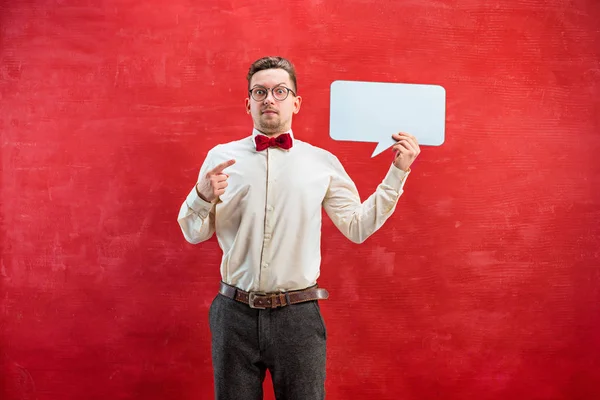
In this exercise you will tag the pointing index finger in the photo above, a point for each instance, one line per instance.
(219, 168)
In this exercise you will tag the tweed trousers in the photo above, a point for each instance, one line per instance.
(289, 341)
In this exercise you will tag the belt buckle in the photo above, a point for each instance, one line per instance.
(252, 297)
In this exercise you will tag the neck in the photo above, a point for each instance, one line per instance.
(272, 134)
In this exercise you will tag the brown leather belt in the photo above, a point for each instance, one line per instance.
(263, 300)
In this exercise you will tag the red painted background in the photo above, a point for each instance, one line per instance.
(485, 284)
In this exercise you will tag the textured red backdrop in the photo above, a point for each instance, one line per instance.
(485, 284)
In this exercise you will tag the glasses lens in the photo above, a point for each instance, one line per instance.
(280, 93)
(258, 94)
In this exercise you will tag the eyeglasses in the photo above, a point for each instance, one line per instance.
(280, 93)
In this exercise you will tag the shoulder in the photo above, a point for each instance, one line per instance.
(234, 148)
(239, 144)
(317, 153)
(310, 149)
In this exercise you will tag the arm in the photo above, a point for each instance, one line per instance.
(356, 220)
(196, 215)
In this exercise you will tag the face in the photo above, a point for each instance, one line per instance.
(272, 116)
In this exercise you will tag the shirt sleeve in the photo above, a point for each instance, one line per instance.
(356, 220)
(197, 216)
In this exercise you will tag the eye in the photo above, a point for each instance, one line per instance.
(280, 91)
(259, 92)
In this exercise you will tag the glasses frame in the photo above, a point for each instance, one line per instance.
(251, 92)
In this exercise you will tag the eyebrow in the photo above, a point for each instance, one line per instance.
(279, 84)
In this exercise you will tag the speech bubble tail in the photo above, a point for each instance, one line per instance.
(381, 147)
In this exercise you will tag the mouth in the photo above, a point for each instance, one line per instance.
(269, 111)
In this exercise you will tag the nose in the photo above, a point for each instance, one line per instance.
(269, 99)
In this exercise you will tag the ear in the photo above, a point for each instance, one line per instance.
(248, 105)
(297, 103)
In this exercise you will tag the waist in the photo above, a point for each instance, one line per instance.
(273, 274)
(262, 300)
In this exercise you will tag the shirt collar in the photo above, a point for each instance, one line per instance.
(256, 132)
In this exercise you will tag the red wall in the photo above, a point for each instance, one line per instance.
(485, 284)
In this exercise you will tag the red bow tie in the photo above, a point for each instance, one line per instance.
(283, 141)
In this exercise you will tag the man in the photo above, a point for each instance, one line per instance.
(262, 195)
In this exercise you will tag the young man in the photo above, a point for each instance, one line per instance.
(262, 195)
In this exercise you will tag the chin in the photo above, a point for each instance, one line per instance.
(271, 128)
(272, 124)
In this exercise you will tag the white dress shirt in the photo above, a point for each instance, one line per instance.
(268, 221)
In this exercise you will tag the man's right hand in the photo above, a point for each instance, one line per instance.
(213, 184)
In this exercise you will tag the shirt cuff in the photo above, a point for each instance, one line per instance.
(396, 178)
(197, 204)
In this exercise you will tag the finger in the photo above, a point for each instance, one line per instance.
(219, 168)
(413, 143)
(221, 185)
(402, 146)
(403, 135)
(411, 140)
(222, 177)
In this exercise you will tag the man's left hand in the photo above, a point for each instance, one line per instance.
(407, 149)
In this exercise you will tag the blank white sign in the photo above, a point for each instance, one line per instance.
(373, 111)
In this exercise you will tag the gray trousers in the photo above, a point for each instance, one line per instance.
(289, 341)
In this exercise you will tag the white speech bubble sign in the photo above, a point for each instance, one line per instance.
(373, 111)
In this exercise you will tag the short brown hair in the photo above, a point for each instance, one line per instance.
(273, 62)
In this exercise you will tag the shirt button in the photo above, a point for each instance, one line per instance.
(269, 208)
(265, 265)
